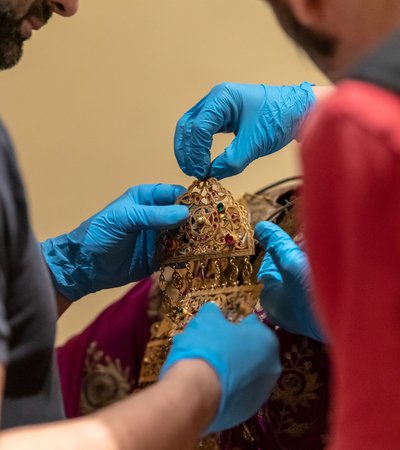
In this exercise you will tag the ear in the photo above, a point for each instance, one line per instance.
(308, 12)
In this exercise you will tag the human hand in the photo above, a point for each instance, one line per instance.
(263, 118)
(286, 296)
(244, 356)
(116, 246)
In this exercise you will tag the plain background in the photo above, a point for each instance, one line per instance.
(92, 106)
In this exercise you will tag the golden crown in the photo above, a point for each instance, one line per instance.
(206, 259)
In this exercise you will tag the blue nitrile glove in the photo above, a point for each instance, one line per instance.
(245, 357)
(284, 271)
(116, 245)
(263, 118)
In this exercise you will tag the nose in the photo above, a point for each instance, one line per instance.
(65, 8)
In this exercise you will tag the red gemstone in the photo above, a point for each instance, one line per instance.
(229, 239)
(170, 244)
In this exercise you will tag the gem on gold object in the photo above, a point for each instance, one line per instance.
(200, 220)
(220, 207)
(170, 244)
(229, 239)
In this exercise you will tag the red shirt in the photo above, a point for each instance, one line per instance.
(351, 212)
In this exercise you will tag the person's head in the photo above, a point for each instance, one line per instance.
(335, 33)
(19, 17)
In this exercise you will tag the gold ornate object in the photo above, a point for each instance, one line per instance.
(198, 265)
(276, 203)
(217, 226)
(206, 259)
(209, 253)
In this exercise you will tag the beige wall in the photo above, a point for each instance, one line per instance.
(93, 105)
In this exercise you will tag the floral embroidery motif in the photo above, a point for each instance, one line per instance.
(105, 381)
(298, 387)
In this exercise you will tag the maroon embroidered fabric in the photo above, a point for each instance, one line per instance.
(101, 365)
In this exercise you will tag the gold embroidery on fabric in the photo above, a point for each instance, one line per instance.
(105, 381)
(297, 387)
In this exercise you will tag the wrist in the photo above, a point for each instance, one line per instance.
(321, 92)
(198, 383)
(66, 269)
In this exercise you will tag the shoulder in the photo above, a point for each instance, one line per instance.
(8, 164)
(13, 207)
(358, 108)
(10, 179)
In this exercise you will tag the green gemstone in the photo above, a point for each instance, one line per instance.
(220, 207)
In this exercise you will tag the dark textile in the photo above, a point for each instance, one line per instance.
(27, 308)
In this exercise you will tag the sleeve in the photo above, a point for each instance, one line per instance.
(352, 222)
(4, 327)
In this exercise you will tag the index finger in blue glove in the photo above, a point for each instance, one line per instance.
(141, 217)
(268, 272)
(210, 120)
(231, 161)
(156, 194)
(182, 153)
(284, 252)
(208, 313)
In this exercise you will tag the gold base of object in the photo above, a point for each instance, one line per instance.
(235, 302)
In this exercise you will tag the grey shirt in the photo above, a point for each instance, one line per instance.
(27, 309)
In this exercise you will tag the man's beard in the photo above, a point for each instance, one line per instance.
(320, 46)
(11, 39)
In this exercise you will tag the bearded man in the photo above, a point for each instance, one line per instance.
(205, 382)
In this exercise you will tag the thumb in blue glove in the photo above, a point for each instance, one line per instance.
(116, 246)
(244, 356)
(284, 272)
(263, 118)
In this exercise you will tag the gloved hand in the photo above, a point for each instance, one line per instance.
(245, 357)
(284, 271)
(263, 118)
(116, 245)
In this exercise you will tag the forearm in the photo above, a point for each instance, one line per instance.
(62, 304)
(169, 415)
